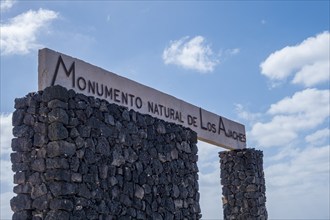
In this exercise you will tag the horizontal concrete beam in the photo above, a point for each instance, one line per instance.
(60, 69)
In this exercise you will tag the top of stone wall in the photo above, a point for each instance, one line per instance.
(58, 97)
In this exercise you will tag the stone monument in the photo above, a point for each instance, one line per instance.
(91, 144)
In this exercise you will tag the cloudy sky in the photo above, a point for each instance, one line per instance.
(264, 64)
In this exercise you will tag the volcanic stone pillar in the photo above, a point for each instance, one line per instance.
(243, 184)
(77, 157)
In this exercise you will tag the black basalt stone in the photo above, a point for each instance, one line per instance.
(176, 191)
(38, 165)
(58, 115)
(40, 139)
(61, 204)
(84, 131)
(130, 155)
(20, 202)
(83, 191)
(57, 214)
(24, 188)
(40, 203)
(103, 147)
(57, 174)
(56, 131)
(106, 131)
(29, 120)
(16, 167)
(102, 208)
(25, 214)
(18, 116)
(55, 92)
(125, 200)
(23, 131)
(139, 192)
(16, 157)
(57, 104)
(38, 191)
(40, 127)
(19, 178)
(57, 163)
(160, 128)
(126, 115)
(62, 188)
(58, 148)
(21, 103)
(157, 216)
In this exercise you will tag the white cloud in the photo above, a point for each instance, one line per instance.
(209, 181)
(301, 183)
(6, 179)
(210, 199)
(192, 54)
(233, 51)
(5, 210)
(6, 5)
(286, 152)
(308, 61)
(308, 101)
(5, 133)
(6, 174)
(108, 18)
(245, 114)
(19, 35)
(5, 150)
(297, 178)
(306, 109)
(312, 161)
(310, 75)
(318, 137)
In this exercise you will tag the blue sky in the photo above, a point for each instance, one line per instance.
(262, 63)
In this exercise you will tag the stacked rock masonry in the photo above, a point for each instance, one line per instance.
(243, 182)
(78, 157)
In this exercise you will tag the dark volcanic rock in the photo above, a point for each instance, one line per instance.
(58, 148)
(23, 131)
(58, 115)
(243, 183)
(57, 131)
(20, 202)
(18, 117)
(25, 214)
(77, 157)
(55, 92)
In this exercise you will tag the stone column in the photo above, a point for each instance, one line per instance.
(77, 157)
(243, 184)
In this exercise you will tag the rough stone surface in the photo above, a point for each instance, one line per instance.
(243, 184)
(57, 131)
(77, 157)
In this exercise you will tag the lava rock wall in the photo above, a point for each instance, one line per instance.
(78, 157)
(244, 191)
